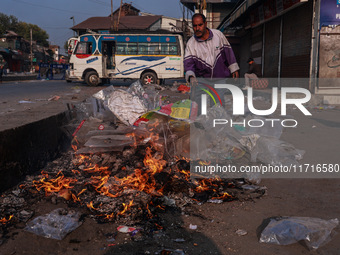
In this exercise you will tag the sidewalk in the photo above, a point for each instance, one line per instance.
(19, 77)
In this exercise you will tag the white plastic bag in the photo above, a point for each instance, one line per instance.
(287, 230)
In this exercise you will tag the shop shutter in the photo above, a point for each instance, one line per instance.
(271, 48)
(256, 44)
(296, 42)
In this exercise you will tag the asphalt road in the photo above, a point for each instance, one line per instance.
(28, 101)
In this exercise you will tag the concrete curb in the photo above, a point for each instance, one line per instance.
(25, 149)
(19, 77)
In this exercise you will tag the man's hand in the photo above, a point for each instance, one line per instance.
(193, 81)
(235, 75)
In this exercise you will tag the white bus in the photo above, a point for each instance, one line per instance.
(96, 58)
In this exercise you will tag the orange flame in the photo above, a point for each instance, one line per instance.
(54, 185)
(5, 221)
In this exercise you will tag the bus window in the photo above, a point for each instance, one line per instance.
(126, 48)
(165, 49)
(84, 48)
(132, 49)
(143, 48)
(173, 49)
(121, 48)
(153, 49)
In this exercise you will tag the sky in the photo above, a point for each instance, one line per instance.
(54, 15)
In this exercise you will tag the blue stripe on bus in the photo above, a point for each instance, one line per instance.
(139, 69)
(127, 38)
(145, 38)
(130, 69)
(166, 39)
(143, 58)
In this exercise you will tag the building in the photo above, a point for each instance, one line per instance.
(126, 10)
(288, 39)
(126, 23)
(126, 18)
(15, 52)
(214, 10)
(167, 23)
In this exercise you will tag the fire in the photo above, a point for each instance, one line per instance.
(126, 208)
(223, 197)
(5, 221)
(60, 183)
(142, 180)
(90, 206)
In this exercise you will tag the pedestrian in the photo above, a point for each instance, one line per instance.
(208, 53)
(1, 72)
(254, 72)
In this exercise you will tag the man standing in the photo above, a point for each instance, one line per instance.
(208, 53)
(254, 72)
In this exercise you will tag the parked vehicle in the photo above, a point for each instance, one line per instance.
(149, 57)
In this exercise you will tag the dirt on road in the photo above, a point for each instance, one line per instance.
(217, 224)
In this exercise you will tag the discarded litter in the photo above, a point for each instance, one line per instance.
(126, 107)
(26, 102)
(241, 232)
(270, 150)
(193, 227)
(54, 98)
(126, 229)
(170, 252)
(179, 240)
(215, 201)
(314, 232)
(183, 88)
(55, 225)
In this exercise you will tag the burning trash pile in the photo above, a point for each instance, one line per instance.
(131, 161)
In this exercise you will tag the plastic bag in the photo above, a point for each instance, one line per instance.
(126, 106)
(55, 225)
(287, 230)
(272, 151)
(149, 96)
(214, 143)
(269, 128)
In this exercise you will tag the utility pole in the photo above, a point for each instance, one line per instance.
(74, 32)
(31, 33)
(120, 10)
(111, 27)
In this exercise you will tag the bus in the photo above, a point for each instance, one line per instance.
(98, 58)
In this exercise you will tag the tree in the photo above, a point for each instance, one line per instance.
(23, 29)
(7, 23)
(38, 34)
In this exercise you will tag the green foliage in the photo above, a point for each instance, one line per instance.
(38, 34)
(23, 29)
(7, 23)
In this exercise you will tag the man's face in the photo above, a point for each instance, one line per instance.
(200, 27)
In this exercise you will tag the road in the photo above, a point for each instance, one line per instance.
(317, 135)
(27, 101)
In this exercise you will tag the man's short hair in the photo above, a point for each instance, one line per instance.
(198, 15)
(249, 60)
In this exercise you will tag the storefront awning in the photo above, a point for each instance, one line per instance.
(265, 11)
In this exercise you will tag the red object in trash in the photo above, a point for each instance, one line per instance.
(183, 88)
(79, 127)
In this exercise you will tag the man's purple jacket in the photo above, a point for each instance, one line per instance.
(212, 58)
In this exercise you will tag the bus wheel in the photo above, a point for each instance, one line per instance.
(92, 79)
(149, 78)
